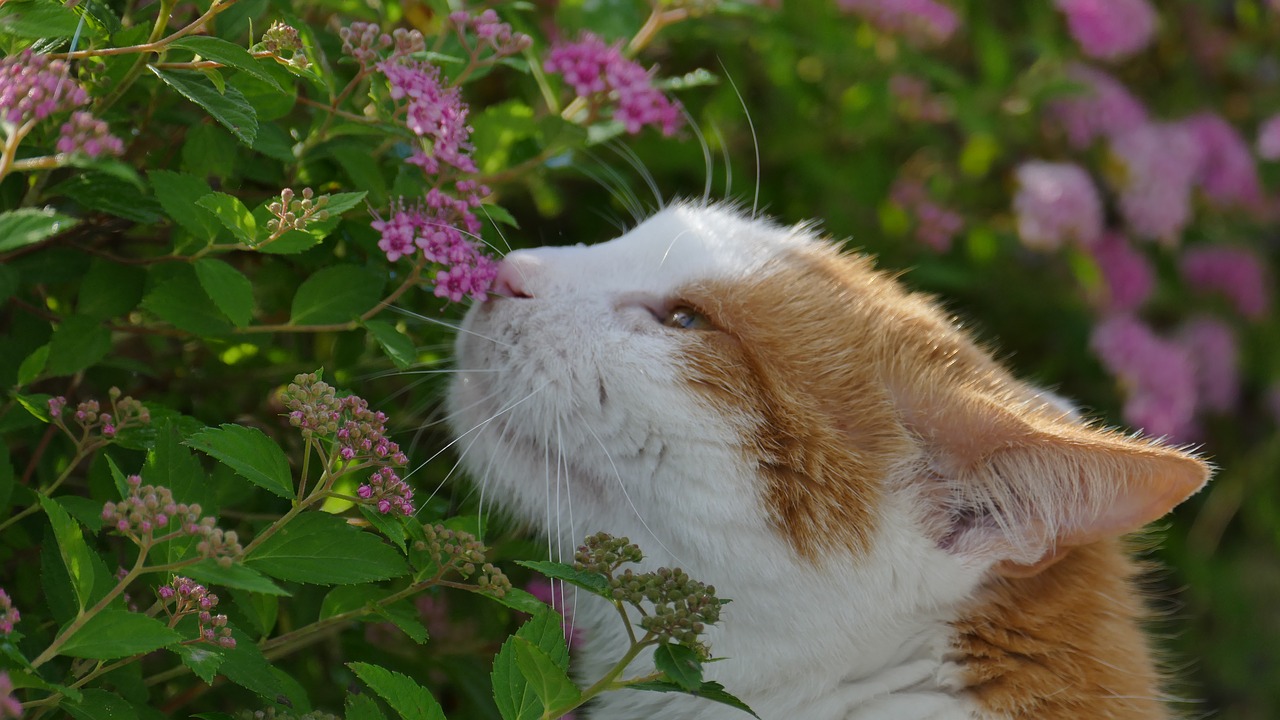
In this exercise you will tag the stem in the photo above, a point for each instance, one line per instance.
(11, 143)
(334, 111)
(81, 453)
(153, 44)
(343, 327)
(606, 682)
(657, 20)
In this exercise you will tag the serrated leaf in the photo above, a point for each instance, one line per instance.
(405, 618)
(406, 697)
(33, 365)
(37, 405)
(35, 19)
(321, 549)
(334, 295)
(180, 301)
(76, 556)
(235, 576)
(546, 678)
(347, 598)
(591, 582)
(115, 634)
(362, 707)
(99, 705)
(394, 343)
(515, 698)
(249, 452)
(229, 289)
(117, 476)
(680, 664)
(290, 242)
(390, 525)
(227, 53)
(101, 191)
(713, 691)
(339, 203)
(202, 660)
(27, 226)
(229, 108)
(499, 214)
(172, 465)
(177, 194)
(78, 343)
(246, 666)
(233, 215)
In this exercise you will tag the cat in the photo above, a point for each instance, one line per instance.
(905, 529)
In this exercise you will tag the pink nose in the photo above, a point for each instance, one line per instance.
(515, 273)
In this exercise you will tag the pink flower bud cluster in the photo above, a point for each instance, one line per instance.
(150, 509)
(183, 596)
(1101, 108)
(1158, 375)
(367, 44)
(1128, 277)
(600, 73)
(916, 102)
(1056, 203)
(9, 615)
(125, 412)
(1156, 166)
(1226, 173)
(284, 42)
(490, 32)
(935, 224)
(1109, 29)
(10, 707)
(443, 228)
(387, 492)
(86, 135)
(33, 87)
(1234, 272)
(1269, 138)
(436, 114)
(313, 406)
(920, 20)
(1211, 345)
(360, 433)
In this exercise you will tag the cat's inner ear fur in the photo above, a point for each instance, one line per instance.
(1018, 483)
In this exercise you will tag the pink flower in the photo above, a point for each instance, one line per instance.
(1269, 138)
(1103, 108)
(1157, 164)
(1127, 275)
(10, 707)
(33, 87)
(9, 615)
(922, 20)
(88, 135)
(1109, 29)
(436, 114)
(936, 225)
(1211, 345)
(1158, 376)
(388, 492)
(1234, 272)
(1056, 202)
(1226, 173)
(597, 70)
(446, 230)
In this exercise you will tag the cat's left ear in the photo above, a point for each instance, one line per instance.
(1020, 487)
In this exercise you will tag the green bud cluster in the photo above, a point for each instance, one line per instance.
(313, 405)
(294, 214)
(603, 553)
(461, 552)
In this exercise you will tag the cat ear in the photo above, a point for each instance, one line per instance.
(1020, 485)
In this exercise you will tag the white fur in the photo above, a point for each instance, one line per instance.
(844, 638)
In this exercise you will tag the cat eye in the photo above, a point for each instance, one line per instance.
(683, 317)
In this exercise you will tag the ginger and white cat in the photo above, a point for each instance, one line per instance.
(905, 529)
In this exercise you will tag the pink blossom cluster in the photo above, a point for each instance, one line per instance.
(446, 231)
(360, 433)
(87, 135)
(387, 491)
(1128, 277)
(33, 87)
(1234, 272)
(10, 707)
(148, 509)
(184, 596)
(1269, 138)
(1056, 203)
(1109, 29)
(1157, 166)
(1103, 108)
(1158, 375)
(935, 224)
(1226, 173)
(125, 412)
(921, 20)
(600, 73)
(436, 114)
(1211, 345)
(367, 43)
(490, 32)
(9, 615)
(915, 101)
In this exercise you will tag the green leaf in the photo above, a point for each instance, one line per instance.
(34, 19)
(177, 194)
(230, 290)
(334, 295)
(110, 289)
(78, 343)
(99, 705)
(232, 214)
(394, 343)
(362, 707)
(24, 679)
(591, 582)
(229, 108)
(680, 664)
(406, 619)
(391, 525)
(75, 552)
(117, 476)
(498, 214)
(339, 203)
(250, 453)
(246, 666)
(37, 405)
(229, 54)
(235, 576)
(173, 466)
(115, 634)
(290, 242)
(104, 192)
(406, 697)
(713, 691)
(515, 697)
(203, 660)
(353, 155)
(27, 226)
(548, 680)
(347, 598)
(33, 365)
(321, 549)
(178, 299)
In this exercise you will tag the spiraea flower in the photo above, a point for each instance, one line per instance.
(184, 596)
(489, 32)
(1127, 275)
(1102, 107)
(1109, 29)
(33, 87)
(1269, 138)
(9, 615)
(10, 707)
(600, 73)
(360, 434)
(86, 135)
(1157, 375)
(1154, 168)
(291, 212)
(387, 492)
(915, 101)
(150, 511)
(366, 43)
(459, 551)
(1056, 203)
(935, 224)
(125, 412)
(1226, 174)
(436, 114)
(920, 20)
(1211, 344)
(1233, 272)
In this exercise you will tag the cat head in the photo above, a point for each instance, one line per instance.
(713, 384)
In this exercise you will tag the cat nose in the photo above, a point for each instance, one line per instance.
(515, 273)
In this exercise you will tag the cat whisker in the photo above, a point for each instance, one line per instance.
(670, 245)
(626, 153)
(619, 188)
(458, 328)
(755, 143)
(471, 235)
(706, 152)
(724, 153)
(497, 228)
(478, 426)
